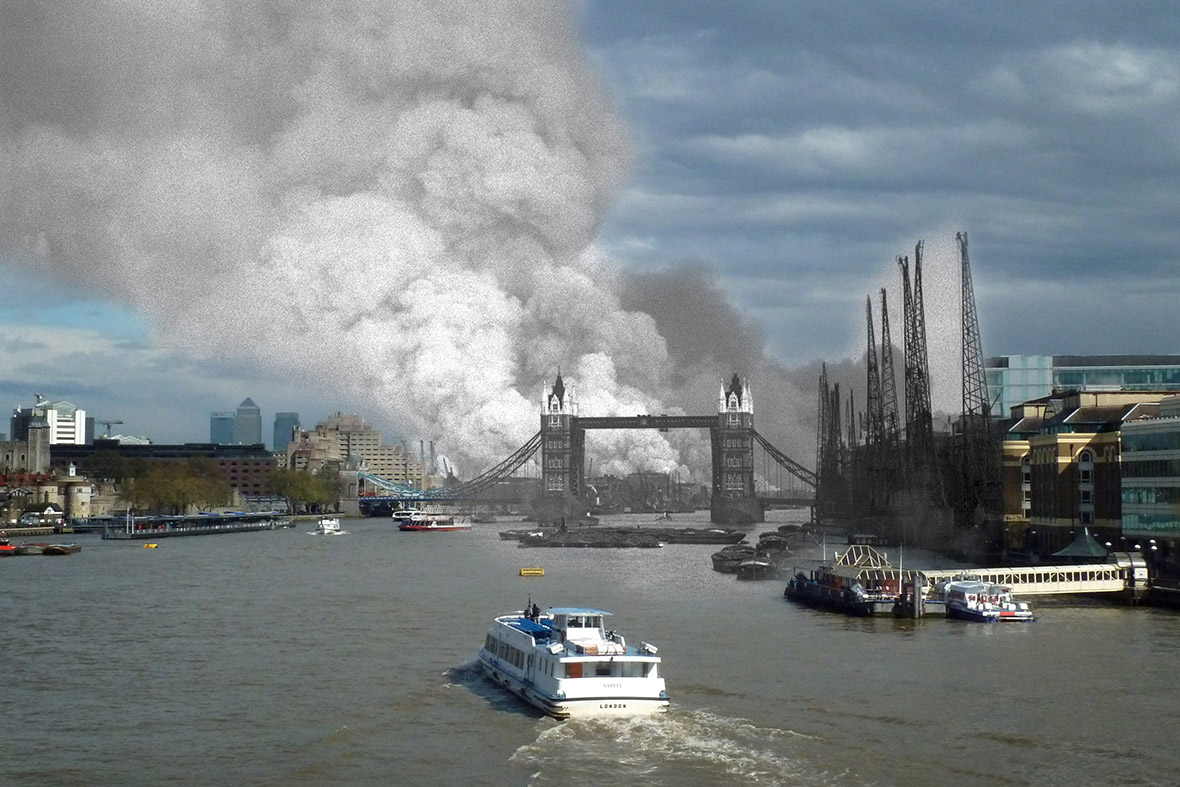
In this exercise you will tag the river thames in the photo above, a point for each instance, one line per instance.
(279, 658)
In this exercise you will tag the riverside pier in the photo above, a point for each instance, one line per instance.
(152, 527)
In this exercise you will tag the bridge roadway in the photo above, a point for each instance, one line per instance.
(645, 422)
(1128, 572)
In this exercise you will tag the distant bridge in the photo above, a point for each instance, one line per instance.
(393, 493)
(564, 485)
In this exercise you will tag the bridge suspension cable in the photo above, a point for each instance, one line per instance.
(501, 471)
(467, 489)
(791, 466)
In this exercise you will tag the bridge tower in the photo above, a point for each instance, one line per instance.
(562, 455)
(734, 500)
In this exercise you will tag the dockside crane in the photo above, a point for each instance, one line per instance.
(108, 424)
(980, 495)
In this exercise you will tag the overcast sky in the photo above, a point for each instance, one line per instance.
(794, 149)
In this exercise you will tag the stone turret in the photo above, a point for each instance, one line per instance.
(734, 499)
(38, 445)
(561, 455)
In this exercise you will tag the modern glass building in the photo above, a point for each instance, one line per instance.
(284, 430)
(1015, 379)
(1151, 477)
(248, 423)
(221, 428)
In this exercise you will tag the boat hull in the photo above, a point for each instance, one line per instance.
(417, 528)
(61, 549)
(957, 612)
(621, 706)
(815, 594)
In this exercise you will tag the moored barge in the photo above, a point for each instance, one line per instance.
(859, 581)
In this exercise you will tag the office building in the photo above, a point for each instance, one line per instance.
(1151, 482)
(244, 467)
(284, 430)
(248, 424)
(65, 421)
(348, 441)
(1061, 465)
(221, 428)
(1015, 379)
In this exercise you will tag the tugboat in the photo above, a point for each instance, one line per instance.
(565, 663)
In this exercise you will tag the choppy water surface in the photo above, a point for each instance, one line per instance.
(283, 658)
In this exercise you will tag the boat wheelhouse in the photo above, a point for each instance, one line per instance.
(567, 664)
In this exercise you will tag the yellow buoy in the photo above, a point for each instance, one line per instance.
(150, 546)
(535, 571)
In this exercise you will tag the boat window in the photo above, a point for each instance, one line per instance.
(603, 669)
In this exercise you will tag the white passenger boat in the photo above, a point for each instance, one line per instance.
(565, 663)
(405, 514)
(435, 522)
(983, 602)
(328, 526)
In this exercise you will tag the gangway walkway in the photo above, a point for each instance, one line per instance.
(1128, 572)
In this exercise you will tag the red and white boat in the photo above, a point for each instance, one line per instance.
(432, 522)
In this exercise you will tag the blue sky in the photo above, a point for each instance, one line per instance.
(792, 150)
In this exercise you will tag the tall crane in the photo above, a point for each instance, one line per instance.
(108, 424)
(980, 468)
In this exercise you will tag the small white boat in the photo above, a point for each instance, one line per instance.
(983, 602)
(328, 526)
(565, 663)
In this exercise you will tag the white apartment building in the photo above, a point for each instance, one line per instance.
(66, 422)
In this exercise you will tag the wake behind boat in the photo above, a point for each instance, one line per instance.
(565, 663)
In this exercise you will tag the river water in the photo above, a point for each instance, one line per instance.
(279, 658)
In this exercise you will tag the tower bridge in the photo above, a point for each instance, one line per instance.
(562, 445)
(732, 438)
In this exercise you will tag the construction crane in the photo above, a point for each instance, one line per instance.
(108, 425)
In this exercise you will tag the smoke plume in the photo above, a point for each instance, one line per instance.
(394, 201)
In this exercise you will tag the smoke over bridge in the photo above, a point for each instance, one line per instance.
(394, 201)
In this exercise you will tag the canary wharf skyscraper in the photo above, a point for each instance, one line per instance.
(248, 424)
(221, 428)
(285, 425)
